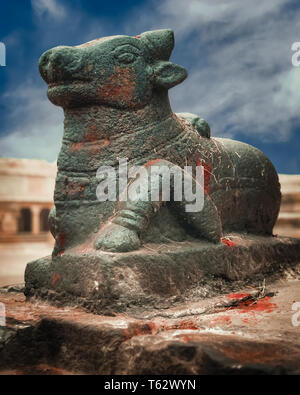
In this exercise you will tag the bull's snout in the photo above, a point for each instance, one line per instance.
(60, 64)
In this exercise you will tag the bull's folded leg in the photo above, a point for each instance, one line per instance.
(205, 223)
(122, 232)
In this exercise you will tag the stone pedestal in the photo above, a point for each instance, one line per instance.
(157, 276)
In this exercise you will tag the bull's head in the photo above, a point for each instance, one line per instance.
(118, 71)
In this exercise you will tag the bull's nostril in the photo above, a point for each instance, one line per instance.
(44, 63)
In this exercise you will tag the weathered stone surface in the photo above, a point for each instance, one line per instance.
(157, 275)
(246, 332)
(114, 92)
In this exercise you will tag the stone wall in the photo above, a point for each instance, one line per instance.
(26, 196)
(288, 223)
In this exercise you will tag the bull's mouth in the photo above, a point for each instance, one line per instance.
(68, 93)
(67, 83)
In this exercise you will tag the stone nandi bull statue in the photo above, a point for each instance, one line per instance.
(114, 92)
(117, 255)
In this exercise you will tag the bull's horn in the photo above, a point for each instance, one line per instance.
(159, 42)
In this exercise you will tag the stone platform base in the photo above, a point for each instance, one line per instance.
(158, 276)
(254, 331)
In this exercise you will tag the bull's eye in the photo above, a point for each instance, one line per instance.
(126, 58)
(126, 53)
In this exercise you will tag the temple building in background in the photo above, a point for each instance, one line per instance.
(26, 197)
(288, 223)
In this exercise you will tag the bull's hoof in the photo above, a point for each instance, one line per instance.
(117, 238)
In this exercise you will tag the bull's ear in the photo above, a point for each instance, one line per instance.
(167, 74)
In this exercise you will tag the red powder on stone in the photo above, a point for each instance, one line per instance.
(237, 296)
(261, 306)
(183, 325)
(56, 277)
(139, 329)
(223, 319)
(61, 240)
(152, 162)
(227, 242)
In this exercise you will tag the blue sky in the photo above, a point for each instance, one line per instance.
(238, 55)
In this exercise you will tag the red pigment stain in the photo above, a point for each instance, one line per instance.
(207, 174)
(75, 147)
(261, 306)
(227, 242)
(152, 162)
(75, 188)
(183, 325)
(137, 329)
(223, 319)
(251, 308)
(237, 296)
(61, 240)
(56, 277)
(247, 320)
(191, 337)
(91, 134)
(120, 85)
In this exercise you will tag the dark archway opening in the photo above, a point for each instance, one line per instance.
(44, 214)
(25, 220)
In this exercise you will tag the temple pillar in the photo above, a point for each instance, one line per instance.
(35, 220)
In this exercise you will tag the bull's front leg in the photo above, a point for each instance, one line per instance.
(122, 232)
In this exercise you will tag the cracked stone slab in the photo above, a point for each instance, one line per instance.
(246, 332)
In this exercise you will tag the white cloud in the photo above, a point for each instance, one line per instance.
(192, 14)
(37, 125)
(50, 7)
